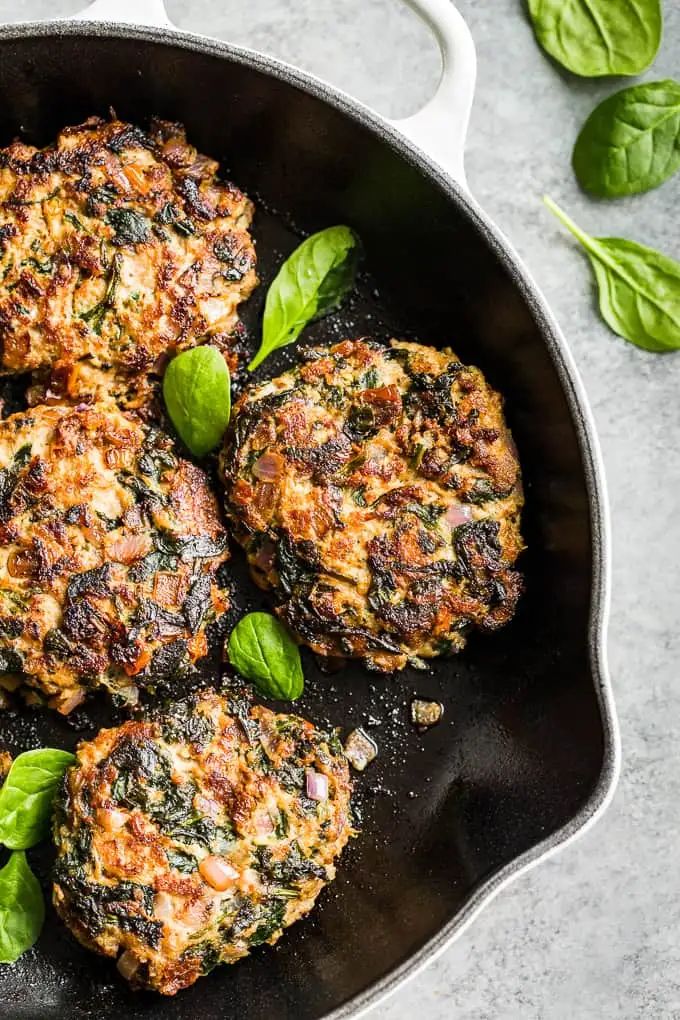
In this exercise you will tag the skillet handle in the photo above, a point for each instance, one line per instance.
(150, 13)
(439, 129)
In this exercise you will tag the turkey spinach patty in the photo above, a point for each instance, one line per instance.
(186, 841)
(109, 546)
(377, 493)
(117, 247)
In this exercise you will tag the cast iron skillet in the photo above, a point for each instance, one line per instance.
(527, 755)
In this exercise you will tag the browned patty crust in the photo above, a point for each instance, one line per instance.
(184, 842)
(109, 545)
(377, 493)
(117, 247)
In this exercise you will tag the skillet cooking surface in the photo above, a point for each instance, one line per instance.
(521, 746)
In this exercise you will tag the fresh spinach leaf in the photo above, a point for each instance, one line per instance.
(27, 795)
(197, 393)
(261, 649)
(311, 283)
(639, 287)
(593, 38)
(22, 908)
(631, 141)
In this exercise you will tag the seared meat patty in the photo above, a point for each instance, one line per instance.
(109, 546)
(184, 842)
(116, 247)
(376, 491)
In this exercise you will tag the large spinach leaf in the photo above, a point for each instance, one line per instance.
(261, 649)
(311, 283)
(22, 908)
(197, 393)
(639, 287)
(599, 37)
(631, 141)
(27, 795)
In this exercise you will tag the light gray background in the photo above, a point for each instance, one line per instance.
(594, 933)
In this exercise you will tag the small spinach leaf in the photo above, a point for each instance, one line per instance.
(197, 393)
(639, 287)
(261, 649)
(130, 226)
(311, 283)
(22, 908)
(599, 37)
(631, 141)
(94, 316)
(181, 861)
(27, 795)
(171, 216)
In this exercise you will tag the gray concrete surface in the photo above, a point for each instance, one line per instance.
(594, 933)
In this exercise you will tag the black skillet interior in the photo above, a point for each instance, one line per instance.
(521, 745)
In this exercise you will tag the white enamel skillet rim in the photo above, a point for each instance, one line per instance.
(435, 138)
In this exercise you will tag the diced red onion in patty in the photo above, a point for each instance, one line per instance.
(163, 906)
(128, 964)
(264, 826)
(268, 467)
(217, 872)
(67, 704)
(316, 785)
(457, 514)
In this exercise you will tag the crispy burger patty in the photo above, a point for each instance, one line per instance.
(184, 842)
(116, 246)
(376, 491)
(109, 546)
